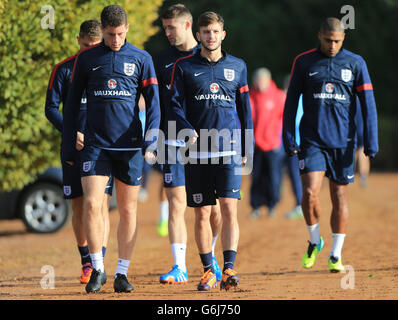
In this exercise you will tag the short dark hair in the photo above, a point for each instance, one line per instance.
(331, 24)
(113, 16)
(176, 11)
(208, 18)
(91, 29)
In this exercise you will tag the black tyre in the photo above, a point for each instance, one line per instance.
(43, 209)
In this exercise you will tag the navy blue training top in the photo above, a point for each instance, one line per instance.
(114, 81)
(57, 91)
(330, 87)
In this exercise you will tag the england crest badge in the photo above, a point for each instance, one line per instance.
(86, 166)
(346, 74)
(129, 68)
(67, 190)
(197, 198)
(229, 74)
(168, 177)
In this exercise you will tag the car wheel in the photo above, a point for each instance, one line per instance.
(43, 208)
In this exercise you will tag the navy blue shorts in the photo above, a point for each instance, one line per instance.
(173, 175)
(338, 164)
(72, 181)
(125, 166)
(173, 170)
(205, 183)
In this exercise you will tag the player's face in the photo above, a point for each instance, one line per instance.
(85, 42)
(114, 37)
(175, 30)
(331, 42)
(211, 36)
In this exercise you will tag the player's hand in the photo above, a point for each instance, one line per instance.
(150, 157)
(79, 141)
(193, 139)
(69, 162)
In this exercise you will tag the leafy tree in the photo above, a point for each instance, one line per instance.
(29, 49)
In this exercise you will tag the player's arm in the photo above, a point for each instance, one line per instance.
(54, 97)
(290, 109)
(177, 105)
(161, 83)
(150, 92)
(72, 108)
(244, 111)
(364, 89)
(81, 123)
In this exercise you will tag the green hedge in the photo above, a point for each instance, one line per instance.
(28, 52)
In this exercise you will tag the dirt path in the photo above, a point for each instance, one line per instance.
(268, 261)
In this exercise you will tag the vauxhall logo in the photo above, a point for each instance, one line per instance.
(112, 84)
(214, 88)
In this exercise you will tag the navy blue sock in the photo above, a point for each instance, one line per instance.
(207, 261)
(103, 251)
(84, 254)
(229, 259)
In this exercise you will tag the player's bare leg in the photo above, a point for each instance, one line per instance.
(363, 163)
(105, 216)
(339, 216)
(230, 226)
(216, 223)
(77, 221)
(177, 205)
(127, 197)
(93, 190)
(81, 240)
(338, 223)
(162, 227)
(229, 241)
(203, 237)
(177, 236)
(216, 219)
(312, 183)
(203, 232)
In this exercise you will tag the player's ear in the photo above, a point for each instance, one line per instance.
(127, 27)
(198, 36)
(187, 24)
(224, 34)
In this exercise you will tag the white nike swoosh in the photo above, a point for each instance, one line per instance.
(350, 177)
(139, 178)
(96, 68)
(312, 73)
(235, 190)
(198, 74)
(168, 65)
